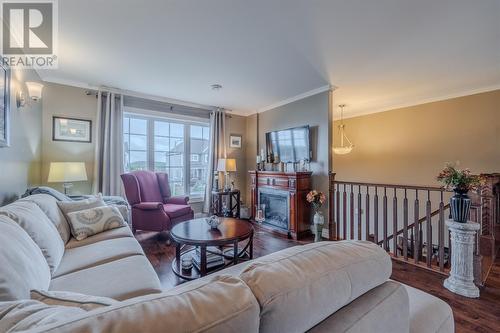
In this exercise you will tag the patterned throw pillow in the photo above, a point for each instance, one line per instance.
(92, 221)
(67, 298)
(74, 206)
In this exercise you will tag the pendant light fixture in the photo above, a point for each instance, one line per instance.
(343, 149)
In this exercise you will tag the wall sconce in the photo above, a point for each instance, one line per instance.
(34, 93)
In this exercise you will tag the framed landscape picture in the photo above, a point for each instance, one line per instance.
(4, 106)
(235, 141)
(71, 129)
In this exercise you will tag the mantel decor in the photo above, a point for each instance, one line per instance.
(460, 182)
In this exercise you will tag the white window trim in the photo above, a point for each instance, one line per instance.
(151, 116)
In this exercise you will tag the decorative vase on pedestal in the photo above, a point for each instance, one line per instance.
(460, 206)
(319, 222)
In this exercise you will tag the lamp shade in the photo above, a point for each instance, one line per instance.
(62, 172)
(226, 165)
(34, 90)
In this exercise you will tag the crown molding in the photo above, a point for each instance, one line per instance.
(295, 98)
(433, 99)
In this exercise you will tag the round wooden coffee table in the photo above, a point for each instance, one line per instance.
(193, 234)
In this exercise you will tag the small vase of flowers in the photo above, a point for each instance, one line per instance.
(460, 182)
(317, 199)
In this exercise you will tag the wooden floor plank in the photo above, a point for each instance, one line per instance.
(471, 315)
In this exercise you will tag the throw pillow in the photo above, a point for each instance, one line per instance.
(92, 221)
(22, 264)
(38, 226)
(74, 206)
(67, 298)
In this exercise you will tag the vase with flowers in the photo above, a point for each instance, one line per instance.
(460, 181)
(317, 199)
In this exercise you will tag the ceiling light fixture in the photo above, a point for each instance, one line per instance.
(216, 86)
(343, 149)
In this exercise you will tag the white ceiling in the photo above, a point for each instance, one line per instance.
(379, 54)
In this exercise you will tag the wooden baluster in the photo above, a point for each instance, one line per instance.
(375, 214)
(405, 227)
(384, 220)
(351, 213)
(395, 224)
(367, 213)
(344, 213)
(359, 212)
(337, 193)
(429, 229)
(441, 234)
(416, 245)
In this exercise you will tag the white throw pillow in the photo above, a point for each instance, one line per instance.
(68, 298)
(74, 206)
(22, 264)
(92, 221)
(38, 226)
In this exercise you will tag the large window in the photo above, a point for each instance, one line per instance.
(179, 148)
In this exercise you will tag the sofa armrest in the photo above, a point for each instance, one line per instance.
(180, 200)
(149, 206)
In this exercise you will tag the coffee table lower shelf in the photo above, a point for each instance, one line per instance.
(194, 273)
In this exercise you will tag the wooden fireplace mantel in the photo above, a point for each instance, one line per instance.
(297, 184)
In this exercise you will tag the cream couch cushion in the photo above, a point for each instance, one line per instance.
(299, 287)
(428, 313)
(119, 279)
(222, 304)
(110, 234)
(381, 310)
(74, 206)
(38, 226)
(95, 254)
(23, 315)
(66, 298)
(22, 264)
(48, 204)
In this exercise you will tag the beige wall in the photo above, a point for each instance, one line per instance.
(411, 145)
(71, 102)
(20, 162)
(312, 111)
(237, 125)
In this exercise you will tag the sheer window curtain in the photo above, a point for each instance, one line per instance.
(217, 149)
(108, 162)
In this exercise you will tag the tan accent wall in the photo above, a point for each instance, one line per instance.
(237, 125)
(410, 145)
(71, 102)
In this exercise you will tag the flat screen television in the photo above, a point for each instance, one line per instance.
(291, 145)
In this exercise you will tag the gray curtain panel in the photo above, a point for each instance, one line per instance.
(108, 165)
(217, 149)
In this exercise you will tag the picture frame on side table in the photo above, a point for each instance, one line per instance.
(71, 129)
(235, 141)
(4, 106)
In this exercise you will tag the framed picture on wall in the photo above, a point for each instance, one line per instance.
(71, 129)
(4, 106)
(235, 141)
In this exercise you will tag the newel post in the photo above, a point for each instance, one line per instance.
(332, 227)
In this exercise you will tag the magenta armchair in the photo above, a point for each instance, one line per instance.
(153, 207)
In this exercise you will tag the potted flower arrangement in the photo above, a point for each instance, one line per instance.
(317, 199)
(460, 182)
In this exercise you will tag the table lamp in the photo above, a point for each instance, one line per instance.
(66, 173)
(226, 165)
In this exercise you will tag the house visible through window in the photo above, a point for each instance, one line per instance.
(179, 148)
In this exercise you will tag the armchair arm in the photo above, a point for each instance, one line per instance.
(149, 206)
(180, 200)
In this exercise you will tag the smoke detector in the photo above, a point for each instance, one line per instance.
(216, 86)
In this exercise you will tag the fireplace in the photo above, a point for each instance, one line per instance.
(276, 208)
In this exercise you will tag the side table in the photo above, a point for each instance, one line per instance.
(461, 279)
(218, 198)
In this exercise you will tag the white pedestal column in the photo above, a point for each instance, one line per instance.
(461, 279)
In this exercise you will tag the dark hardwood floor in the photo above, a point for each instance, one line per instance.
(471, 315)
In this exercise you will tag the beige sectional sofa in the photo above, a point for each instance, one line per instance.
(320, 287)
